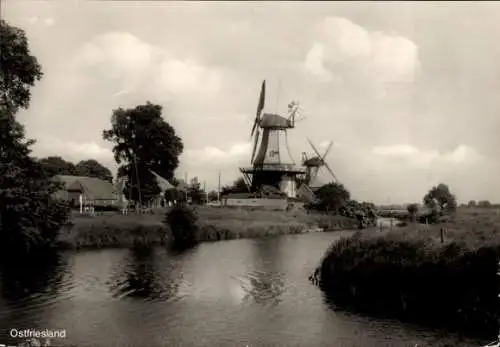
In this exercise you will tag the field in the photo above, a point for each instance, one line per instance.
(413, 273)
(215, 223)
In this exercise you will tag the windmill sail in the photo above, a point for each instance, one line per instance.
(256, 141)
(260, 106)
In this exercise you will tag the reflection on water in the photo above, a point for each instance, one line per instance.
(30, 291)
(230, 293)
(146, 276)
(265, 283)
(22, 281)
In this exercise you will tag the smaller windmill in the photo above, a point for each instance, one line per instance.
(314, 164)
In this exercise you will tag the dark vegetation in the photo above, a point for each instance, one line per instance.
(55, 165)
(29, 216)
(143, 142)
(335, 199)
(441, 274)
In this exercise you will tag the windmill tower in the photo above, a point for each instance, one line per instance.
(314, 164)
(273, 168)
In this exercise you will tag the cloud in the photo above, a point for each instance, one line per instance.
(133, 62)
(462, 154)
(49, 145)
(186, 76)
(214, 155)
(48, 22)
(342, 44)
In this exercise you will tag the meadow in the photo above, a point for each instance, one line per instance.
(442, 274)
(214, 223)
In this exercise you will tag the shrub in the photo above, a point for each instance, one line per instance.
(181, 221)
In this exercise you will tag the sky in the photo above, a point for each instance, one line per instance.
(408, 92)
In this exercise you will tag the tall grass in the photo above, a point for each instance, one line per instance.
(213, 224)
(409, 273)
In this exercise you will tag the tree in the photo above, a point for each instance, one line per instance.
(195, 192)
(332, 196)
(55, 165)
(238, 186)
(19, 69)
(440, 199)
(92, 168)
(29, 217)
(484, 204)
(413, 210)
(143, 141)
(472, 204)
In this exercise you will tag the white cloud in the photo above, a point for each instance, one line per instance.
(463, 155)
(49, 145)
(233, 154)
(32, 19)
(49, 21)
(118, 53)
(125, 57)
(314, 63)
(381, 57)
(188, 76)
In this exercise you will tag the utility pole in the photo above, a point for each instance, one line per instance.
(205, 191)
(218, 190)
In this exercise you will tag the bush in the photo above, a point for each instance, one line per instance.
(181, 221)
(417, 279)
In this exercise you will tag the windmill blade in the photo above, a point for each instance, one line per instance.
(327, 150)
(314, 148)
(260, 106)
(256, 141)
(331, 172)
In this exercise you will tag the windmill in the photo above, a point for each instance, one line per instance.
(314, 164)
(273, 168)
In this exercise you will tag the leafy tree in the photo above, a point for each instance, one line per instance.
(484, 204)
(143, 141)
(332, 197)
(195, 192)
(238, 186)
(92, 168)
(472, 203)
(19, 69)
(55, 165)
(440, 199)
(412, 210)
(29, 217)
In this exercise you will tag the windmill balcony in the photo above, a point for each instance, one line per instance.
(274, 167)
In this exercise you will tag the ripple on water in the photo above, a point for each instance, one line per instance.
(221, 294)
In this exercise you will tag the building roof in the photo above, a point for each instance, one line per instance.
(92, 187)
(163, 183)
(270, 120)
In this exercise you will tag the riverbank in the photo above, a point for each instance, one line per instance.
(413, 273)
(214, 223)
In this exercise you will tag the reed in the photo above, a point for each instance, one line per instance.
(214, 224)
(413, 273)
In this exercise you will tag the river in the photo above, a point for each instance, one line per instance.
(230, 293)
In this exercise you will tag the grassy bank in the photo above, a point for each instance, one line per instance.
(116, 230)
(410, 273)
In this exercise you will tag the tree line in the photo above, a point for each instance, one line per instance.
(30, 216)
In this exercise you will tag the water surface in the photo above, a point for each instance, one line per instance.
(230, 293)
